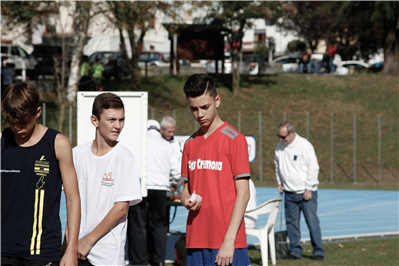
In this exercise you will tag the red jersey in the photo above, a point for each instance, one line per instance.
(211, 167)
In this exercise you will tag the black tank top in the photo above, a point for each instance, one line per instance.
(30, 199)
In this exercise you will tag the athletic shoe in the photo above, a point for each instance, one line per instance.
(292, 257)
(318, 257)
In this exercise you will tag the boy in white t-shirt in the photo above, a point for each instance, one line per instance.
(108, 184)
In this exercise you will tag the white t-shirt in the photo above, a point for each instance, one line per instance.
(104, 180)
(250, 219)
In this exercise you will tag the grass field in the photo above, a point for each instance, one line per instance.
(366, 95)
(360, 252)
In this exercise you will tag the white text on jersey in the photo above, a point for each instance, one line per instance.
(205, 164)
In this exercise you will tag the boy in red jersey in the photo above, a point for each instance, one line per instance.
(215, 165)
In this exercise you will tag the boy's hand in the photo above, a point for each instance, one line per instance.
(84, 247)
(191, 206)
(69, 258)
(226, 253)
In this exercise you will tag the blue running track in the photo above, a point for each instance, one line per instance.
(341, 212)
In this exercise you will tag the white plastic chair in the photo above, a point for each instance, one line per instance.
(266, 234)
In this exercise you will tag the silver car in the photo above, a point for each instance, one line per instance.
(20, 60)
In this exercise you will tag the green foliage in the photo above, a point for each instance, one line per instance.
(261, 49)
(238, 16)
(21, 11)
(296, 46)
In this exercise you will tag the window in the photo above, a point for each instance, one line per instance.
(4, 50)
(14, 50)
(22, 52)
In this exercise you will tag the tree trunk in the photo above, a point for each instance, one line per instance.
(134, 68)
(61, 117)
(134, 61)
(74, 76)
(391, 51)
(236, 77)
(62, 104)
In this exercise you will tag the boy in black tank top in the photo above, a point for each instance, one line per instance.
(35, 162)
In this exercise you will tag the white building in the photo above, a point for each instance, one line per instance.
(105, 37)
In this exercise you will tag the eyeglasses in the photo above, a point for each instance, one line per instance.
(283, 137)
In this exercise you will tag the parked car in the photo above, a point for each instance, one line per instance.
(290, 63)
(45, 54)
(152, 58)
(257, 64)
(19, 59)
(376, 67)
(351, 67)
(113, 62)
(211, 66)
(245, 67)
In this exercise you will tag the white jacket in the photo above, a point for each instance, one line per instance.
(176, 148)
(161, 162)
(297, 168)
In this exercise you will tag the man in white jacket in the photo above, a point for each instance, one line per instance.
(148, 221)
(168, 126)
(296, 172)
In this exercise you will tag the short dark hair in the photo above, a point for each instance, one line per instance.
(106, 100)
(19, 102)
(199, 84)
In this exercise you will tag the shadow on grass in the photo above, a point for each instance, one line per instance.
(246, 81)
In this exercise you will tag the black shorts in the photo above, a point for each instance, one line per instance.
(84, 263)
(18, 261)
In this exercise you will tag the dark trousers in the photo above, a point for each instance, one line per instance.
(147, 229)
(294, 204)
(83, 263)
(18, 261)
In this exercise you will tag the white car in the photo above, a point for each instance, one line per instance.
(290, 63)
(351, 67)
(210, 65)
(244, 67)
(20, 59)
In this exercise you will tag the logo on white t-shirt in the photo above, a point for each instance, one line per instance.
(205, 164)
(107, 180)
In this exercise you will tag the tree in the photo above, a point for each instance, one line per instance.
(374, 25)
(239, 16)
(312, 20)
(66, 70)
(359, 28)
(296, 46)
(19, 13)
(136, 18)
(26, 14)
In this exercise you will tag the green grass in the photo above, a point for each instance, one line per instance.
(359, 252)
(366, 95)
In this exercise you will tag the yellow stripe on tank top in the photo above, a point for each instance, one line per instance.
(40, 225)
(32, 241)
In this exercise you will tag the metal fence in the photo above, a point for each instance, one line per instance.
(349, 148)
